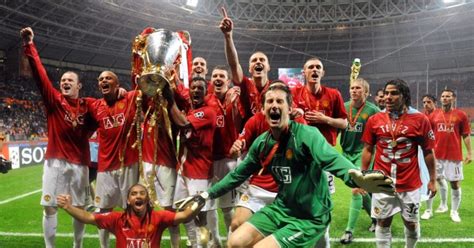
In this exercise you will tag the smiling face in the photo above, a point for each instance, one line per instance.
(70, 85)
(197, 91)
(313, 71)
(108, 84)
(220, 80)
(258, 65)
(276, 108)
(138, 199)
(199, 67)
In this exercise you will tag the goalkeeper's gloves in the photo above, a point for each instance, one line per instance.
(373, 181)
(195, 202)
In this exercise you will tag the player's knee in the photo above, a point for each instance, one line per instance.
(50, 210)
(235, 240)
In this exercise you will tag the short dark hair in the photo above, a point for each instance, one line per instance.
(449, 90)
(429, 96)
(402, 86)
(224, 68)
(73, 72)
(312, 58)
(279, 85)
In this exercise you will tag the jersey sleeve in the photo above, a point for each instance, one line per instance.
(428, 134)
(248, 133)
(339, 109)
(465, 127)
(107, 221)
(326, 156)
(368, 136)
(243, 171)
(166, 217)
(202, 118)
(48, 92)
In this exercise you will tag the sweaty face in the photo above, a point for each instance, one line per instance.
(258, 65)
(394, 101)
(357, 92)
(197, 91)
(138, 199)
(108, 83)
(220, 80)
(199, 67)
(428, 104)
(70, 85)
(313, 71)
(447, 98)
(276, 109)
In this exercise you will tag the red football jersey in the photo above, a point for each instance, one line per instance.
(411, 130)
(133, 233)
(69, 123)
(115, 122)
(228, 124)
(327, 101)
(198, 161)
(250, 96)
(157, 140)
(449, 129)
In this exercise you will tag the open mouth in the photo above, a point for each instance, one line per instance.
(66, 87)
(198, 70)
(218, 83)
(275, 116)
(258, 68)
(314, 76)
(105, 88)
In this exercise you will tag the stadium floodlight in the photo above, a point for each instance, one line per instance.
(192, 3)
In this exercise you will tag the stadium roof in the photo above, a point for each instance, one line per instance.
(392, 37)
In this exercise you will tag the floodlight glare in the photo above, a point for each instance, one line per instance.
(192, 3)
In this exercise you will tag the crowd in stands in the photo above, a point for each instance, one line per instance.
(22, 112)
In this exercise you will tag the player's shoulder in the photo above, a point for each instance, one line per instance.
(371, 106)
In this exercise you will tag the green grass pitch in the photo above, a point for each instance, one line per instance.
(20, 219)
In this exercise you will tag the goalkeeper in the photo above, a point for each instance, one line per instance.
(296, 156)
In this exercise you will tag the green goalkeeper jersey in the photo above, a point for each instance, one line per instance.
(351, 142)
(297, 167)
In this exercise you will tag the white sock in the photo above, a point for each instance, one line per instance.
(429, 204)
(104, 238)
(174, 236)
(191, 232)
(50, 222)
(455, 199)
(383, 237)
(79, 229)
(213, 225)
(227, 212)
(411, 237)
(443, 191)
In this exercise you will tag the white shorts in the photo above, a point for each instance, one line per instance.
(256, 198)
(62, 177)
(112, 187)
(452, 169)
(384, 206)
(164, 181)
(189, 187)
(221, 169)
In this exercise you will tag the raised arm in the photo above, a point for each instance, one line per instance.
(226, 27)
(64, 202)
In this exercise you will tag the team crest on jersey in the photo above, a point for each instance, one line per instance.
(325, 103)
(364, 116)
(120, 105)
(47, 198)
(199, 115)
(289, 154)
(97, 199)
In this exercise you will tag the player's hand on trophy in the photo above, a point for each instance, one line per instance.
(27, 35)
(372, 181)
(194, 202)
(226, 25)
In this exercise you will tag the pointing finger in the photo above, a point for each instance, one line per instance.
(224, 12)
